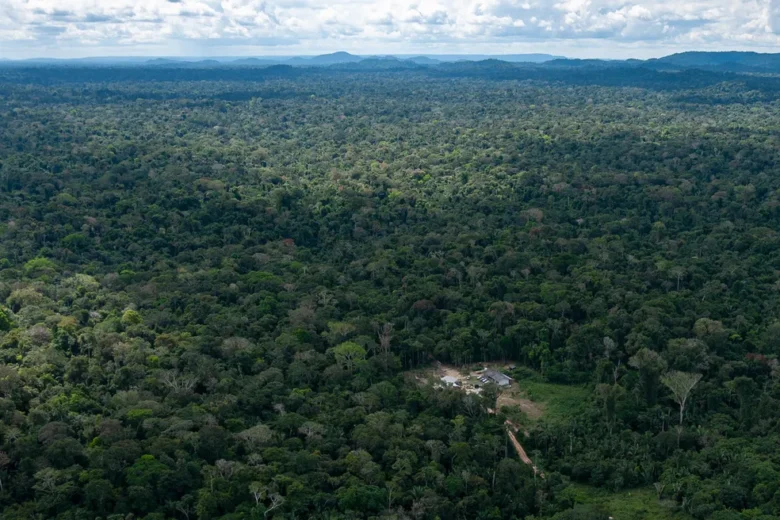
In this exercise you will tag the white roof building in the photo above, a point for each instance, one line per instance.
(491, 376)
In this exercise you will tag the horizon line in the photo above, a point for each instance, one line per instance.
(410, 54)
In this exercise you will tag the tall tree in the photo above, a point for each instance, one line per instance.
(681, 384)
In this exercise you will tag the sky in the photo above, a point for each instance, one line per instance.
(575, 28)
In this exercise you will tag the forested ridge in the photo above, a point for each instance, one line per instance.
(217, 292)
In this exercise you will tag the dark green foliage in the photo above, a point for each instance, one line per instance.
(5, 320)
(217, 293)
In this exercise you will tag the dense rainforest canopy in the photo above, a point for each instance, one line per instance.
(217, 288)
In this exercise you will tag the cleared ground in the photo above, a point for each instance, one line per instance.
(556, 402)
(514, 396)
(536, 400)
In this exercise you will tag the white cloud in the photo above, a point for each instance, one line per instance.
(774, 16)
(210, 27)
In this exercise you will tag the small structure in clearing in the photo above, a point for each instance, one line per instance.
(471, 382)
(451, 381)
(492, 376)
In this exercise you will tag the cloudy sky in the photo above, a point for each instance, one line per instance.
(580, 28)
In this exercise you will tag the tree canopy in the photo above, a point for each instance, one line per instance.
(218, 291)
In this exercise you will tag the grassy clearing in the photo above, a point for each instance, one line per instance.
(560, 402)
(634, 504)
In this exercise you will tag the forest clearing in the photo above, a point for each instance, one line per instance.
(510, 399)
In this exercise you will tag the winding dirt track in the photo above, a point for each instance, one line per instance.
(511, 430)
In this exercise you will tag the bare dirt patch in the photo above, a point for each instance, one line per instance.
(468, 379)
(446, 370)
(514, 397)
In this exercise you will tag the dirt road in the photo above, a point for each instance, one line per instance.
(511, 430)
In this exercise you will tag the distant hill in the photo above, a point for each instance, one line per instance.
(722, 61)
(490, 66)
(325, 59)
(345, 57)
(734, 62)
(255, 62)
(161, 61)
(585, 64)
(386, 63)
(481, 64)
(527, 58)
(423, 60)
(169, 63)
(512, 58)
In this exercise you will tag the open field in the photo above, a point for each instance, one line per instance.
(558, 402)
